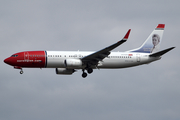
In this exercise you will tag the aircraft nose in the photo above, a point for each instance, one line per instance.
(7, 61)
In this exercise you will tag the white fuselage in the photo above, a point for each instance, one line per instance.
(55, 59)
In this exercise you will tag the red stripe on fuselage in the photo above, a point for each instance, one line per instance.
(34, 59)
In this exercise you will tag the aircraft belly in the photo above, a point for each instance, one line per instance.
(122, 63)
(116, 63)
(55, 63)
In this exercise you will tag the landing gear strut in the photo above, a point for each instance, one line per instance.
(17, 67)
(84, 74)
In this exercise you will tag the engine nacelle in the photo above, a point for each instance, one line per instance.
(64, 71)
(73, 63)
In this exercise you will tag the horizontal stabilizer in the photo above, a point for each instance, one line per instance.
(158, 54)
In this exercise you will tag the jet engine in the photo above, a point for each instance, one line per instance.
(64, 71)
(73, 63)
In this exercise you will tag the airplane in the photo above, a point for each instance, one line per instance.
(68, 62)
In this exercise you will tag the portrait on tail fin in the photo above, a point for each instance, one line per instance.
(152, 43)
(155, 42)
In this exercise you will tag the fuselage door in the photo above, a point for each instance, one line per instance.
(138, 57)
(26, 56)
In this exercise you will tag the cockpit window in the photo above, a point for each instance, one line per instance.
(14, 55)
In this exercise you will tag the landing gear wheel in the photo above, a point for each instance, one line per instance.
(89, 70)
(84, 75)
(21, 72)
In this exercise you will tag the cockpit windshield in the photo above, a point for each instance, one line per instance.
(14, 55)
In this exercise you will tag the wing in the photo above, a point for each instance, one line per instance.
(95, 57)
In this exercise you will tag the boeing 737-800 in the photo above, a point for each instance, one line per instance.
(67, 62)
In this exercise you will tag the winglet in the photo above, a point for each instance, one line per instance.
(127, 35)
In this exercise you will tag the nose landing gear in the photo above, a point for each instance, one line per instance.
(17, 67)
(21, 72)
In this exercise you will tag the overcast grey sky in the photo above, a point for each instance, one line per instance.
(147, 92)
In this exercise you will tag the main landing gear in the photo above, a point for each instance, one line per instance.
(89, 70)
(84, 74)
